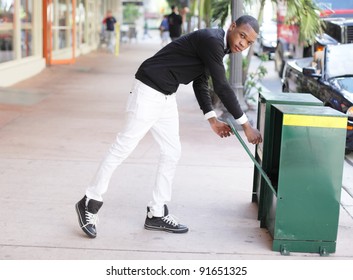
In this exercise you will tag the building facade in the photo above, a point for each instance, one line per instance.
(37, 33)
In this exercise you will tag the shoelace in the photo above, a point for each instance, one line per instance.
(91, 218)
(169, 219)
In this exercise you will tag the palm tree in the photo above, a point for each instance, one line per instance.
(305, 13)
(302, 12)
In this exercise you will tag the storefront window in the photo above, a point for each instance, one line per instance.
(6, 30)
(90, 23)
(16, 43)
(26, 17)
(62, 25)
(60, 31)
(80, 22)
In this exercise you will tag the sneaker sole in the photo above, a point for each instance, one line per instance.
(89, 234)
(166, 229)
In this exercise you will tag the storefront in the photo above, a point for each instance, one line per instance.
(35, 34)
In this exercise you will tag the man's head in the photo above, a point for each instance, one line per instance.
(242, 33)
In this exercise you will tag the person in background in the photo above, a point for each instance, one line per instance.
(193, 58)
(164, 28)
(175, 22)
(145, 30)
(110, 22)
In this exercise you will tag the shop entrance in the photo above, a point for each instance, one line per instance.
(59, 32)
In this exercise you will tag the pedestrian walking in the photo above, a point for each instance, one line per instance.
(152, 106)
(164, 28)
(145, 31)
(110, 22)
(175, 22)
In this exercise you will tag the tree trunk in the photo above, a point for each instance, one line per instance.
(251, 52)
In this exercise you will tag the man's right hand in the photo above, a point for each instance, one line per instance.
(222, 129)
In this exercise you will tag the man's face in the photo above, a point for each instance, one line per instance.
(241, 37)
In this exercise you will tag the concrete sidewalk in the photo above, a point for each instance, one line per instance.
(51, 145)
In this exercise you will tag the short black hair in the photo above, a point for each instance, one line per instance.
(246, 19)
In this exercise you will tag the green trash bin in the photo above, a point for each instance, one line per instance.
(263, 153)
(307, 145)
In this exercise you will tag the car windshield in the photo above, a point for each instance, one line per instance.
(344, 83)
(345, 86)
(339, 60)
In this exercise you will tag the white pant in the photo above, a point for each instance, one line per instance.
(110, 40)
(147, 109)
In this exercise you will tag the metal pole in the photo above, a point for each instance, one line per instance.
(259, 167)
(236, 60)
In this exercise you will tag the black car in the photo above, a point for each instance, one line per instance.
(328, 76)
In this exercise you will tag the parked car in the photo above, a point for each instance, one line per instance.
(328, 76)
(266, 41)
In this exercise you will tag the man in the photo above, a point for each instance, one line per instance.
(110, 22)
(174, 21)
(152, 107)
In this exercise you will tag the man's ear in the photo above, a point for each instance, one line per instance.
(233, 25)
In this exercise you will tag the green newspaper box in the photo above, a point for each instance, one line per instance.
(263, 153)
(301, 209)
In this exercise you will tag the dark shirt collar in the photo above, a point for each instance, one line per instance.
(226, 49)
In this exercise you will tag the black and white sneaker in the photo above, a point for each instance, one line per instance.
(87, 210)
(166, 223)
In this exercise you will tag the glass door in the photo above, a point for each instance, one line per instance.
(59, 31)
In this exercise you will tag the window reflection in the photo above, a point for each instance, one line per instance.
(6, 11)
(62, 25)
(26, 16)
(24, 46)
(80, 23)
(6, 30)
